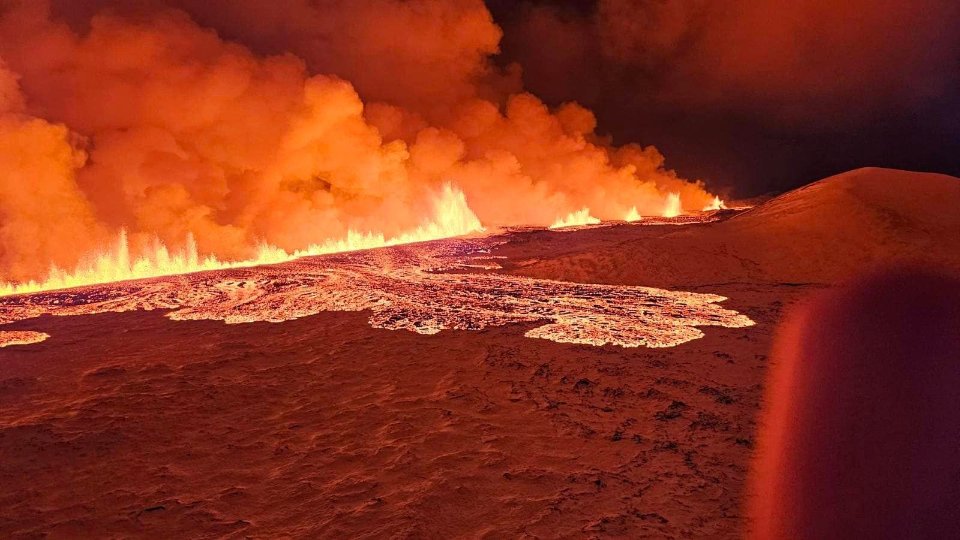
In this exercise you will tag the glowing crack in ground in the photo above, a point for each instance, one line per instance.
(423, 288)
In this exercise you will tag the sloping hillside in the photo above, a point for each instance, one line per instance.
(816, 234)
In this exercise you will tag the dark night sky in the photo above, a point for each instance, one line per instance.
(752, 95)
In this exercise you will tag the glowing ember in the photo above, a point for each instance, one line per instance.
(673, 207)
(452, 217)
(715, 204)
(406, 288)
(575, 219)
(17, 337)
(632, 215)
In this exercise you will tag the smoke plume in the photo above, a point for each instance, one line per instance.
(759, 94)
(289, 122)
(807, 61)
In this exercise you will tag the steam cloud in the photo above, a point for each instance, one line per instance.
(242, 122)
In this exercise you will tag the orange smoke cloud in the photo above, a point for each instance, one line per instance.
(44, 217)
(142, 119)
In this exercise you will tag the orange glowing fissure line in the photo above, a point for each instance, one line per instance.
(452, 217)
(413, 288)
(672, 208)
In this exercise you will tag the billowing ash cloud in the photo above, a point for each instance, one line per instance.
(288, 122)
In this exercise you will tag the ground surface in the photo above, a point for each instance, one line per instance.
(131, 424)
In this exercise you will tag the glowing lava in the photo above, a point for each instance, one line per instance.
(715, 204)
(673, 207)
(579, 218)
(423, 288)
(452, 217)
(632, 215)
(9, 338)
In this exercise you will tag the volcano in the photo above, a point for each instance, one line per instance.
(596, 381)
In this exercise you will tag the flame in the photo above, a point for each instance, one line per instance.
(452, 217)
(575, 219)
(716, 204)
(673, 207)
(632, 215)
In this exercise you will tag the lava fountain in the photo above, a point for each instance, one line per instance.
(452, 217)
(579, 218)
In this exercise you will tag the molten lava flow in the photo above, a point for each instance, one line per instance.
(632, 215)
(452, 217)
(575, 219)
(9, 338)
(423, 288)
(715, 204)
(673, 207)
